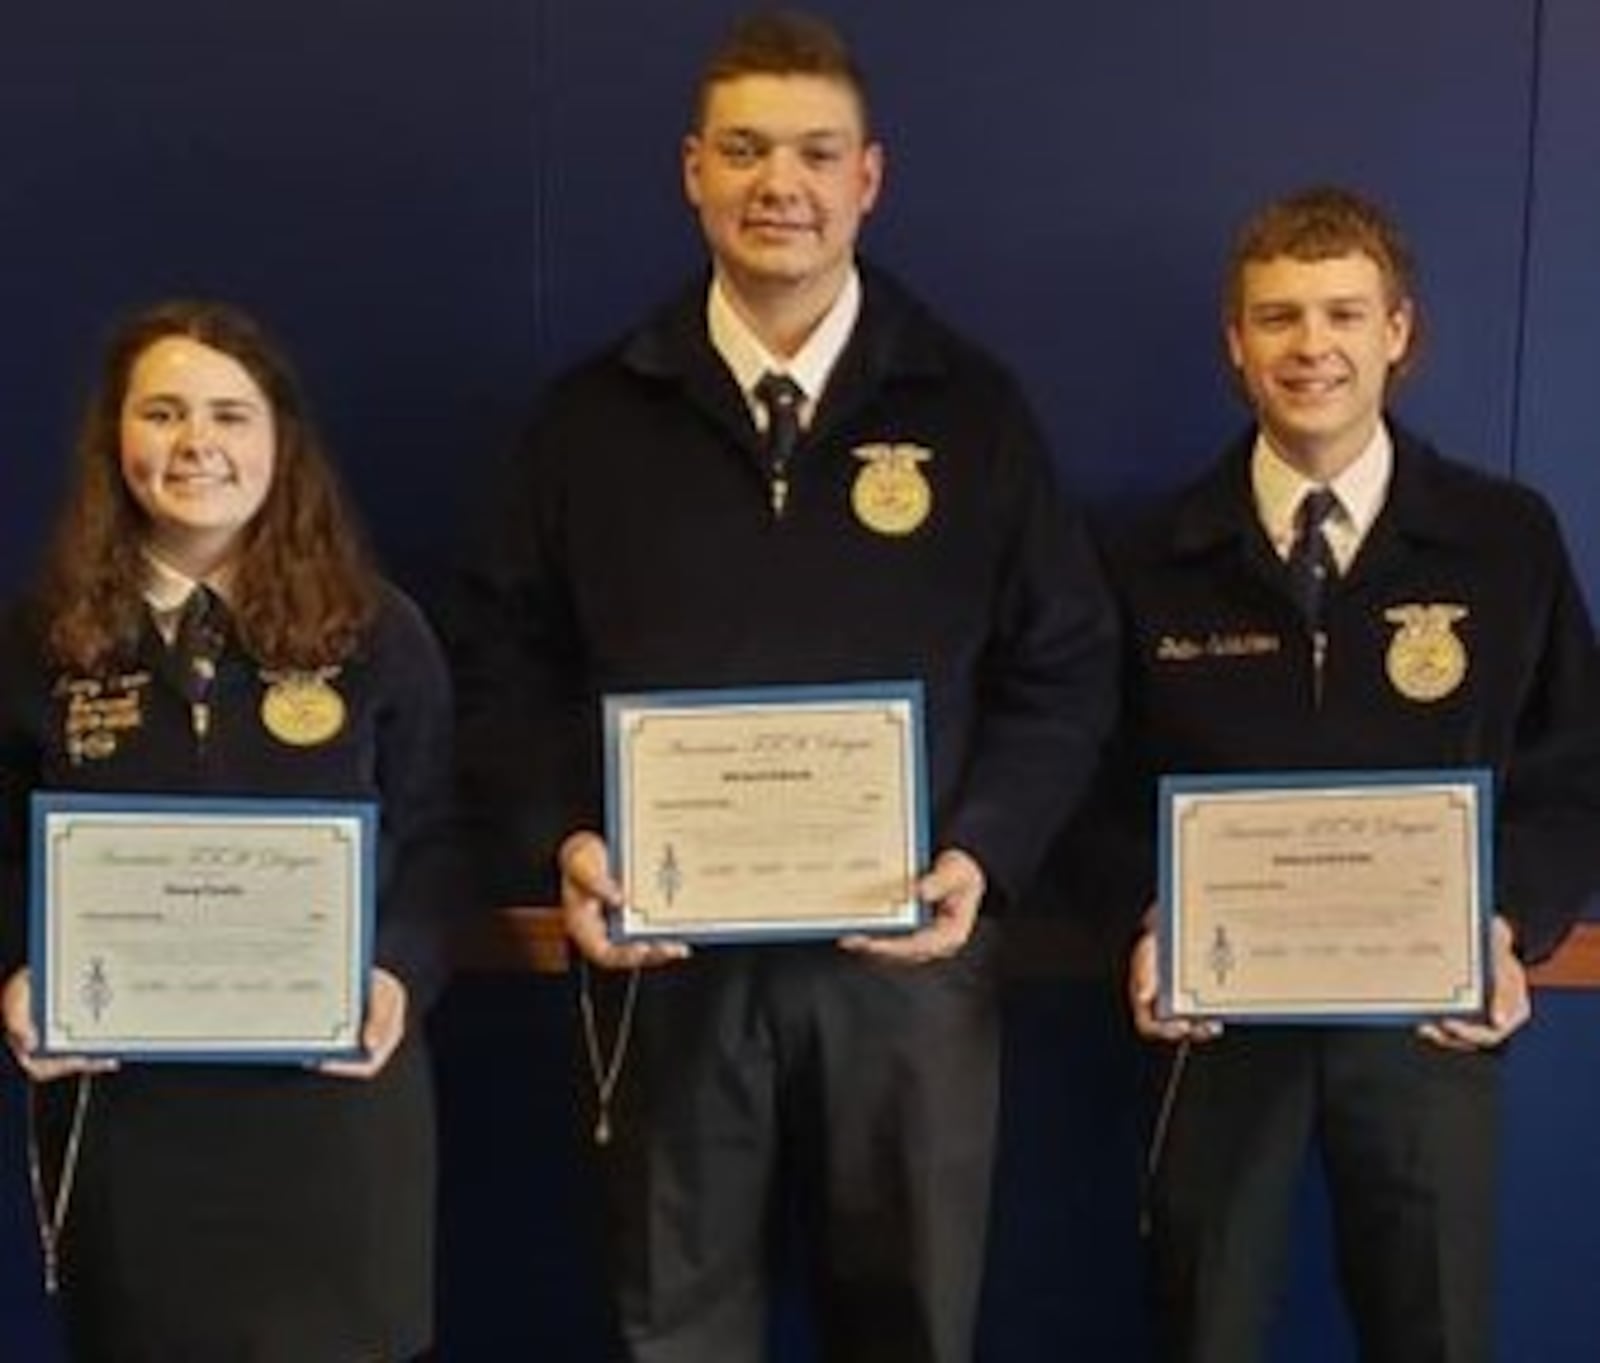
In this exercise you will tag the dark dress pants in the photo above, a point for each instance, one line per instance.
(1408, 1133)
(864, 1095)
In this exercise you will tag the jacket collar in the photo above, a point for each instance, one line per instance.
(894, 340)
(1422, 504)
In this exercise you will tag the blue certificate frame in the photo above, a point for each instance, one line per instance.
(776, 813)
(1324, 897)
(180, 929)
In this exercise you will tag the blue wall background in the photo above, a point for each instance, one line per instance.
(438, 206)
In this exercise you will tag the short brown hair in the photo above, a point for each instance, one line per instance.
(781, 43)
(304, 589)
(1320, 223)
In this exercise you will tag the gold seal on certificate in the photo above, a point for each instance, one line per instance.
(1328, 896)
(197, 929)
(768, 813)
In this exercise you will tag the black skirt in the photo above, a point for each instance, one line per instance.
(238, 1215)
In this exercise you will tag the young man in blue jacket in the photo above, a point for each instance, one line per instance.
(654, 537)
(1448, 631)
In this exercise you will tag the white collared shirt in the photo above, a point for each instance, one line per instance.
(167, 590)
(1279, 487)
(810, 366)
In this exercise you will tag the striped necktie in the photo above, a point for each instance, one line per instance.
(1311, 563)
(781, 396)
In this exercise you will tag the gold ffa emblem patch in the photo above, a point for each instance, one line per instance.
(1427, 659)
(891, 496)
(301, 708)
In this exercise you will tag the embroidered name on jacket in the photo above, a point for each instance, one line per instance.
(1180, 648)
(98, 711)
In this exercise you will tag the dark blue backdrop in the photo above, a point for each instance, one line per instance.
(439, 205)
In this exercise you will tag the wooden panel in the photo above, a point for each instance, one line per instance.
(1576, 965)
(515, 940)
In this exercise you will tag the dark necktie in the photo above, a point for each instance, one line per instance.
(781, 396)
(1311, 563)
(195, 649)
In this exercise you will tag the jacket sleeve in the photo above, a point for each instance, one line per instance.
(1102, 869)
(19, 775)
(1047, 684)
(1548, 843)
(527, 743)
(14, 787)
(421, 873)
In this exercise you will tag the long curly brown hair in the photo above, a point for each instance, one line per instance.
(304, 588)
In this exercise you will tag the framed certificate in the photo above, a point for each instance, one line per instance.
(1326, 896)
(769, 814)
(175, 929)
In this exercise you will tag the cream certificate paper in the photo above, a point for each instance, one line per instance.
(772, 813)
(201, 930)
(1334, 896)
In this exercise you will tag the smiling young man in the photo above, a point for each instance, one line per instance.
(782, 170)
(1443, 629)
(658, 535)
